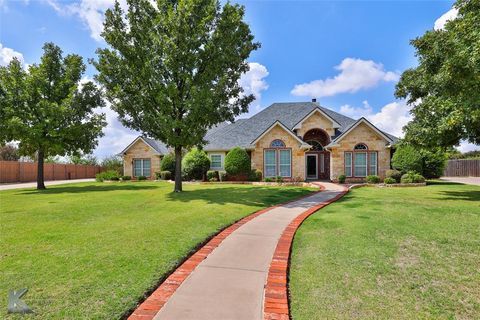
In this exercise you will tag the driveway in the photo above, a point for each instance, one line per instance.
(8, 186)
(465, 180)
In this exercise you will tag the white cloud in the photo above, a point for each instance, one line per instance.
(253, 82)
(447, 16)
(466, 146)
(391, 118)
(355, 75)
(7, 55)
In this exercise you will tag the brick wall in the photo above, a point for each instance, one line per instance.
(140, 150)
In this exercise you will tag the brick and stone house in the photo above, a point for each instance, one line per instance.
(301, 140)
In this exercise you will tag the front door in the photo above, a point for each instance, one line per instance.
(312, 166)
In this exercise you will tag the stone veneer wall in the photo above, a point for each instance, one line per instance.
(361, 134)
(316, 121)
(140, 150)
(298, 160)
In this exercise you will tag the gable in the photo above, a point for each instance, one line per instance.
(278, 131)
(139, 146)
(362, 132)
(313, 121)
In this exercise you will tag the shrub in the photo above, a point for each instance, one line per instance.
(407, 158)
(434, 163)
(126, 178)
(141, 178)
(212, 174)
(412, 177)
(389, 180)
(111, 175)
(113, 163)
(255, 175)
(278, 179)
(237, 162)
(195, 164)
(342, 178)
(372, 179)
(395, 174)
(168, 163)
(213, 180)
(222, 175)
(165, 175)
(268, 180)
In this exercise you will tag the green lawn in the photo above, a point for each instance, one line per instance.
(390, 253)
(91, 250)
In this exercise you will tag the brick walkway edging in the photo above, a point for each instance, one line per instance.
(276, 303)
(152, 305)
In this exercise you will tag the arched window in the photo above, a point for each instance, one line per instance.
(277, 143)
(361, 146)
(316, 146)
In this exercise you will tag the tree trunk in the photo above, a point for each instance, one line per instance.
(40, 178)
(178, 169)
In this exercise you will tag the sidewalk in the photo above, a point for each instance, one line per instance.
(8, 186)
(230, 282)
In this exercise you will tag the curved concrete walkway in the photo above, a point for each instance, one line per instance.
(229, 283)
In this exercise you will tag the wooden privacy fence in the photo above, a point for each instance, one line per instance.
(462, 168)
(14, 171)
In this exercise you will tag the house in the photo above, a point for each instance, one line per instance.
(299, 140)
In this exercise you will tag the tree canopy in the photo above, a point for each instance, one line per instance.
(171, 70)
(47, 109)
(445, 87)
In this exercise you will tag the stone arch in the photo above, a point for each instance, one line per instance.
(318, 135)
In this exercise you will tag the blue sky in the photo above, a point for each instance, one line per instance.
(347, 54)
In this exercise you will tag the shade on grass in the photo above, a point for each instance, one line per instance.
(391, 253)
(91, 250)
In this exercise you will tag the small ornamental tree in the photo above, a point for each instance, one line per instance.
(237, 162)
(407, 158)
(47, 109)
(195, 164)
(171, 68)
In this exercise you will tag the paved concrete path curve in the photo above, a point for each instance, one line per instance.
(229, 283)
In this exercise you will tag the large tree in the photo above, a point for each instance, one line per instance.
(444, 88)
(47, 109)
(171, 70)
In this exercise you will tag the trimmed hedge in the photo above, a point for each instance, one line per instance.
(389, 180)
(372, 179)
(195, 164)
(237, 162)
(110, 175)
(140, 178)
(126, 178)
(168, 163)
(412, 177)
(342, 178)
(395, 174)
(255, 175)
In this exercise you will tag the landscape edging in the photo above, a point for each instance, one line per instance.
(157, 299)
(276, 304)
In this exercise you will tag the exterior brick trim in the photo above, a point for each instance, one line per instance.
(152, 305)
(276, 298)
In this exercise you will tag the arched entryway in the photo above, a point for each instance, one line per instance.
(317, 159)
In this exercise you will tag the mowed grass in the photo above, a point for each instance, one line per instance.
(390, 253)
(91, 250)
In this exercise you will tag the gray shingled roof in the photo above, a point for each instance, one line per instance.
(243, 132)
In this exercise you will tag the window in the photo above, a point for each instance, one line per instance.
(216, 161)
(316, 146)
(360, 164)
(277, 143)
(372, 163)
(285, 163)
(361, 146)
(270, 163)
(348, 164)
(141, 167)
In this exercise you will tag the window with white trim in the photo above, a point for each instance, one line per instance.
(360, 164)
(372, 163)
(285, 163)
(216, 161)
(270, 158)
(348, 164)
(141, 167)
